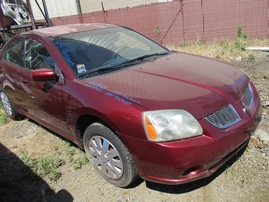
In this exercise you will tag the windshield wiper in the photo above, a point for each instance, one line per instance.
(147, 56)
(134, 60)
(122, 64)
(99, 69)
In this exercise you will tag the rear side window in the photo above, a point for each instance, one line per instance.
(13, 52)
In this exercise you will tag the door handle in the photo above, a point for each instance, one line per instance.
(24, 80)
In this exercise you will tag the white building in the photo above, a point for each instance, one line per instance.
(59, 8)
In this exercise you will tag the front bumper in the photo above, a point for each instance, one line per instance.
(192, 159)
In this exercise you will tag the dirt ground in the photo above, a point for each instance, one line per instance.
(243, 178)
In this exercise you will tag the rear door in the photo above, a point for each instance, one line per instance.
(41, 100)
(10, 65)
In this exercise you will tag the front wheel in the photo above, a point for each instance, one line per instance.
(108, 155)
(8, 107)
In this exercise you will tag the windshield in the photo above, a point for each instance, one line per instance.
(90, 51)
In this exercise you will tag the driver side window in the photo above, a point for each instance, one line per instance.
(37, 56)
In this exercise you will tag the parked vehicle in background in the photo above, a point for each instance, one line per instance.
(136, 107)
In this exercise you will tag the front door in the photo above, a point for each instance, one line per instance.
(44, 98)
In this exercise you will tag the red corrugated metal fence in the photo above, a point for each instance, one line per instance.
(188, 20)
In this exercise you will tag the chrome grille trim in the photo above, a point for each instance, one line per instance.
(248, 96)
(223, 118)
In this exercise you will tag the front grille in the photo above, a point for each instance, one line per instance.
(224, 118)
(248, 96)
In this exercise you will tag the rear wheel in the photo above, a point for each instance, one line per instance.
(108, 155)
(8, 107)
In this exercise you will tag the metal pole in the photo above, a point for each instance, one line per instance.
(31, 14)
(43, 14)
(79, 7)
(181, 9)
(47, 13)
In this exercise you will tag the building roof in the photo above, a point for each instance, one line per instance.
(71, 28)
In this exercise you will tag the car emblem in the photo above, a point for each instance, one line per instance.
(245, 107)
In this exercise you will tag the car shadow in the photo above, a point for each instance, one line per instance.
(191, 186)
(19, 183)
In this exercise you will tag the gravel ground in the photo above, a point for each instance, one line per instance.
(243, 178)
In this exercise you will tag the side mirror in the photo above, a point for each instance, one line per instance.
(43, 74)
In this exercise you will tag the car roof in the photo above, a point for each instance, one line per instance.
(71, 28)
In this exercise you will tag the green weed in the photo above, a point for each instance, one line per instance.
(85, 159)
(251, 57)
(241, 38)
(224, 49)
(48, 166)
(28, 161)
(69, 152)
(79, 162)
(44, 166)
(3, 116)
(229, 172)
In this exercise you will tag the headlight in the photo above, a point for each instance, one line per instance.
(167, 125)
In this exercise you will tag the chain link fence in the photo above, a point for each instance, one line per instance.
(170, 21)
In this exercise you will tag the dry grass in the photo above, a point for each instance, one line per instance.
(223, 49)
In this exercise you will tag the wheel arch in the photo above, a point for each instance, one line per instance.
(85, 120)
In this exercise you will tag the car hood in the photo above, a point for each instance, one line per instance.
(178, 81)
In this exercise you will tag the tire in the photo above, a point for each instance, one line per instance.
(9, 107)
(108, 155)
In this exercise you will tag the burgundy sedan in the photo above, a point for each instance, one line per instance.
(136, 107)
